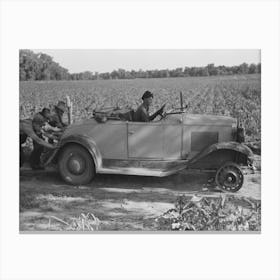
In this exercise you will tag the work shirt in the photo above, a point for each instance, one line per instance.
(142, 114)
(38, 122)
(56, 120)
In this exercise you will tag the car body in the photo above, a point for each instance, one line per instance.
(112, 144)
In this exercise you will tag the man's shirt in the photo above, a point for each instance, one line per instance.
(56, 120)
(142, 114)
(38, 122)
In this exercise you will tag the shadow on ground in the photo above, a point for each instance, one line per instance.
(120, 202)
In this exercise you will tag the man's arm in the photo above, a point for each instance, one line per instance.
(27, 128)
(37, 124)
(55, 122)
(153, 116)
(41, 141)
(158, 112)
(64, 124)
(48, 127)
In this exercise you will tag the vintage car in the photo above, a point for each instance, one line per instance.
(112, 143)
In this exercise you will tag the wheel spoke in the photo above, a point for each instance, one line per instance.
(229, 177)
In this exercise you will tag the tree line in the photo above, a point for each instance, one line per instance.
(42, 67)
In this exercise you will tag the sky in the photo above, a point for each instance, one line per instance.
(80, 60)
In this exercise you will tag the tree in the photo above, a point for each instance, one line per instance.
(187, 71)
(121, 73)
(96, 76)
(41, 66)
(212, 70)
(204, 71)
(259, 67)
(243, 68)
(87, 75)
(253, 68)
(115, 74)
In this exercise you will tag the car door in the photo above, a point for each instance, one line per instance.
(110, 138)
(173, 137)
(145, 140)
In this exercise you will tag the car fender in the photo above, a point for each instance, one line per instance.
(83, 140)
(233, 146)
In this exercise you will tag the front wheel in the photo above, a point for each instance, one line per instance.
(76, 165)
(229, 177)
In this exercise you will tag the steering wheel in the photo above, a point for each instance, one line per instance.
(162, 114)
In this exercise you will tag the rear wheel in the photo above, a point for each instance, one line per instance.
(229, 177)
(76, 165)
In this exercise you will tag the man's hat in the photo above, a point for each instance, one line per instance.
(46, 110)
(61, 106)
(147, 94)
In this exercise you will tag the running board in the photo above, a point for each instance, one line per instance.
(140, 171)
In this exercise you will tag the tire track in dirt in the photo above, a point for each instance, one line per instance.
(120, 202)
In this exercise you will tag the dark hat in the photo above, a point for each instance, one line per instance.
(61, 106)
(46, 110)
(147, 94)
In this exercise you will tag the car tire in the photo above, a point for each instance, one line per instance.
(229, 177)
(76, 165)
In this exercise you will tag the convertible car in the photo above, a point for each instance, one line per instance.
(111, 142)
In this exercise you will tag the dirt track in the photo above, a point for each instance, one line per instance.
(120, 202)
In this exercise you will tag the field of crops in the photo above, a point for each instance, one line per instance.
(237, 96)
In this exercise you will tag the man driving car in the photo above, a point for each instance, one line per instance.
(142, 113)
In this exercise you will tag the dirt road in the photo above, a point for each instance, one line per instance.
(120, 202)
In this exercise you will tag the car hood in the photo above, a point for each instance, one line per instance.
(197, 119)
(78, 127)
